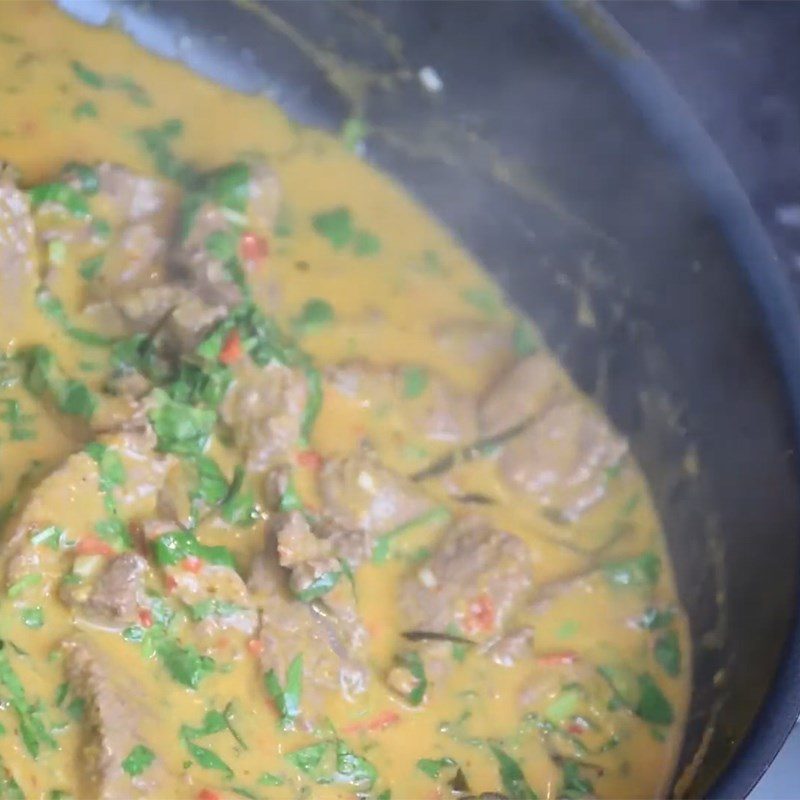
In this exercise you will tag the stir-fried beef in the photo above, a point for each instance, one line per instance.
(251, 206)
(18, 269)
(433, 407)
(358, 492)
(115, 596)
(563, 459)
(521, 393)
(113, 722)
(484, 346)
(330, 640)
(263, 408)
(469, 586)
(140, 211)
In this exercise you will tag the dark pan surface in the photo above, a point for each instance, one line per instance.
(562, 159)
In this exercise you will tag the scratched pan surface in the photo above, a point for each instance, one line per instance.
(559, 155)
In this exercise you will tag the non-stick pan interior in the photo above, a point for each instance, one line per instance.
(540, 162)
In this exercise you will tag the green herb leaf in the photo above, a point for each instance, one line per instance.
(525, 340)
(415, 381)
(353, 769)
(335, 225)
(268, 779)
(212, 607)
(171, 548)
(512, 777)
(229, 186)
(213, 722)
(574, 785)
(222, 245)
(32, 617)
(184, 664)
(90, 267)
(315, 315)
(52, 308)
(653, 706)
(654, 618)
(32, 730)
(314, 396)
(88, 76)
(353, 133)
(85, 110)
(114, 531)
(207, 759)
(435, 516)
(319, 587)
(49, 537)
(238, 507)
(287, 698)
(308, 759)
(23, 583)
(61, 194)
(138, 760)
(643, 570)
(433, 767)
(366, 243)
(9, 788)
(158, 143)
(212, 486)
(485, 299)
(83, 174)
(111, 472)
(43, 376)
(413, 663)
(667, 652)
(181, 428)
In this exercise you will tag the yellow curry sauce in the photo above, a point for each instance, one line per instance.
(295, 504)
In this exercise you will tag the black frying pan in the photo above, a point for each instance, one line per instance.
(560, 156)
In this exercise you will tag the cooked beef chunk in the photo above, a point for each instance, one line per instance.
(114, 718)
(510, 647)
(469, 585)
(563, 458)
(523, 392)
(217, 598)
(297, 543)
(72, 493)
(473, 579)
(139, 210)
(72, 484)
(436, 410)
(206, 268)
(480, 345)
(145, 469)
(18, 271)
(182, 317)
(331, 639)
(115, 596)
(264, 408)
(359, 493)
(314, 555)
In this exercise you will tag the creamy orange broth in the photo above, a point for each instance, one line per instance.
(385, 306)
